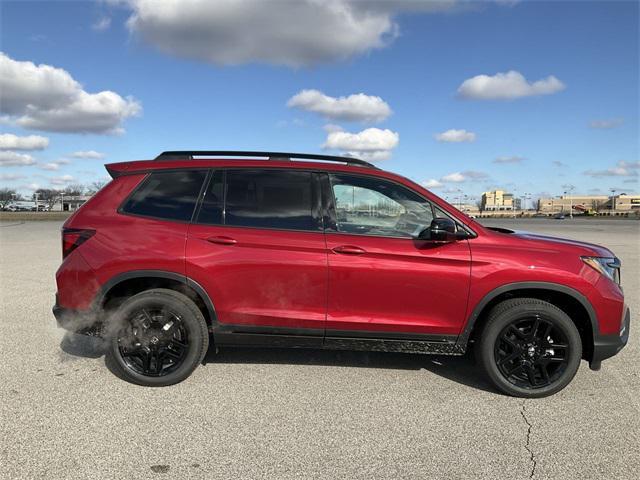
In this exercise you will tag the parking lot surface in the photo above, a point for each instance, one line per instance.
(299, 413)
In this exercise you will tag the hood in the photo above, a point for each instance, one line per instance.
(556, 242)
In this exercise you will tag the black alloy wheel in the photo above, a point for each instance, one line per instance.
(158, 338)
(154, 342)
(529, 348)
(532, 353)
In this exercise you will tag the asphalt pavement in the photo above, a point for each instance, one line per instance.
(284, 414)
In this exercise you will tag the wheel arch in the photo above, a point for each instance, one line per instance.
(572, 302)
(125, 284)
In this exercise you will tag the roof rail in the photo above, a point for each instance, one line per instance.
(189, 154)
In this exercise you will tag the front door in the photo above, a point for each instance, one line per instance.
(258, 249)
(383, 281)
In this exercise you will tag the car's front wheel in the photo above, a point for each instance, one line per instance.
(157, 338)
(529, 348)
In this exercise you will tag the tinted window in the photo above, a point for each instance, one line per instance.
(213, 201)
(170, 195)
(372, 206)
(269, 199)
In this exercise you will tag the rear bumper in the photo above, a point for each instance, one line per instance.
(606, 346)
(81, 322)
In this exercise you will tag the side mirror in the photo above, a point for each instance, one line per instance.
(441, 230)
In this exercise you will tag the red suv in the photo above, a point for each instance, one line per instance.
(298, 250)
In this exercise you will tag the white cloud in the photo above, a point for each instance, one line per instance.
(606, 124)
(459, 177)
(509, 159)
(293, 33)
(42, 97)
(357, 107)
(455, 136)
(101, 24)
(558, 163)
(375, 156)
(474, 175)
(11, 176)
(50, 166)
(330, 127)
(507, 86)
(91, 154)
(13, 159)
(296, 122)
(62, 180)
(455, 177)
(31, 186)
(432, 183)
(622, 169)
(370, 144)
(8, 141)
(229, 32)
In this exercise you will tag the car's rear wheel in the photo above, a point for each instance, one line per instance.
(157, 338)
(529, 348)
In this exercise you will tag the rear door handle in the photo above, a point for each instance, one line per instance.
(222, 240)
(349, 250)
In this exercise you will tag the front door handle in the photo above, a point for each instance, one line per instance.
(222, 240)
(349, 250)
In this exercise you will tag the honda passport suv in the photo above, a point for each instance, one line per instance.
(314, 251)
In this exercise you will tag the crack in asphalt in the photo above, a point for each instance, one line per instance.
(528, 443)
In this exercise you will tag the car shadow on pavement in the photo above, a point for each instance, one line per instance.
(459, 369)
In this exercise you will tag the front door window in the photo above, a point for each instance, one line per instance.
(371, 206)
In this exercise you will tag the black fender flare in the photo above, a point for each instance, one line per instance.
(121, 277)
(463, 338)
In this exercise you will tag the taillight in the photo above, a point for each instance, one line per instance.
(72, 238)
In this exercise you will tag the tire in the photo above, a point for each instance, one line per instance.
(156, 338)
(529, 348)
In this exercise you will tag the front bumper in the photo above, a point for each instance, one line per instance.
(81, 322)
(606, 346)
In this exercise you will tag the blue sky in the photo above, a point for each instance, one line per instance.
(199, 77)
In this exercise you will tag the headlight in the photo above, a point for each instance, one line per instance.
(608, 266)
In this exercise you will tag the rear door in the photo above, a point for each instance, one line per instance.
(258, 248)
(383, 282)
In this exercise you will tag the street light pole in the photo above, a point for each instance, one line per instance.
(570, 190)
(613, 201)
(523, 201)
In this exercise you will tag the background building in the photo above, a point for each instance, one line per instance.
(590, 204)
(498, 200)
(69, 203)
(623, 203)
(575, 203)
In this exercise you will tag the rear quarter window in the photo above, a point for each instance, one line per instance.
(166, 195)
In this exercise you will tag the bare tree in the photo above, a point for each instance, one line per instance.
(75, 189)
(479, 204)
(7, 195)
(95, 187)
(48, 195)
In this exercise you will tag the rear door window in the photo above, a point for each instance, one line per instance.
(167, 195)
(270, 199)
